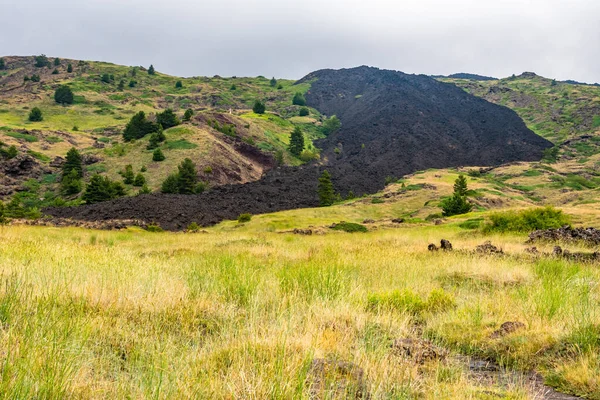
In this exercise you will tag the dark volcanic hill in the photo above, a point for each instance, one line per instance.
(392, 124)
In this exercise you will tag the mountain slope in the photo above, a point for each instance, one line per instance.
(392, 124)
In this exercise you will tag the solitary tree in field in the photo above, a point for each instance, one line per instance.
(63, 95)
(296, 142)
(457, 203)
(259, 107)
(35, 115)
(151, 70)
(325, 190)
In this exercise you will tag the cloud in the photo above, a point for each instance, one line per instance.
(555, 38)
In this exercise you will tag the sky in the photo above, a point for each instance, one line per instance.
(288, 38)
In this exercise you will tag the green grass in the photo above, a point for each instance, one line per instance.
(180, 144)
(22, 136)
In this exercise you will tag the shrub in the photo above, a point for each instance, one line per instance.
(139, 180)
(350, 227)
(178, 85)
(551, 154)
(325, 190)
(309, 155)
(527, 220)
(299, 99)
(71, 183)
(154, 228)
(167, 119)
(193, 227)
(303, 112)
(144, 190)
(208, 169)
(105, 78)
(233, 87)
(69, 68)
(296, 145)
(35, 78)
(128, 175)
(170, 185)
(41, 61)
(11, 152)
(151, 70)
(138, 127)
(63, 95)
(244, 218)
(56, 62)
(158, 155)
(259, 107)
(55, 72)
(2, 66)
(331, 125)
(35, 115)
(273, 82)
(102, 189)
(188, 114)
(132, 83)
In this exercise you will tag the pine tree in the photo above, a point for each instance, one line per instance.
(188, 114)
(35, 115)
(325, 190)
(63, 95)
(178, 85)
(171, 184)
(139, 180)
(259, 107)
(167, 119)
(69, 68)
(457, 204)
(299, 99)
(2, 64)
(56, 62)
(41, 61)
(71, 183)
(102, 189)
(158, 155)
(55, 72)
(187, 177)
(296, 142)
(273, 82)
(460, 185)
(132, 83)
(151, 70)
(138, 127)
(145, 189)
(128, 176)
(303, 112)
(73, 161)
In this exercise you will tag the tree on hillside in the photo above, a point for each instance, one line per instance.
(187, 177)
(69, 68)
(63, 95)
(70, 184)
(457, 203)
(105, 78)
(2, 63)
(460, 185)
(296, 142)
(273, 82)
(299, 99)
(259, 107)
(41, 61)
(35, 115)
(128, 175)
(178, 85)
(151, 70)
(138, 127)
(331, 124)
(303, 112)
(35, 78)
(139, 180)
(167, 119)
(325, 190)
(73, 161)
(55, 72)
(189, 113)
(121, 85)
(171, 184)
(132, 83)
(102, 189)
(158, 155)
(56, 62)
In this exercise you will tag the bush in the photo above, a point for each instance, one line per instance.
(151, 70)
(2, 66)
(144, 190)
(71, 183)
(35, 78)
(138, 127)
(178, 85)
(170, 185)
(55, 72)
(188, 114)
(63, 95)
(299, 99)
(35, 115)
(139, 180)
(527, 220)
(350, 227)
(69, 68)
(259, 107)
(303, 112)
(41, 61)
(551, 154)
(244, 218)
(158, 155)
(167, 119)
(273, 82)
(331, 125)
(56, 62)
(102, 189)
(193, 227)
(233, 87)
(154, 228)
(128, 175)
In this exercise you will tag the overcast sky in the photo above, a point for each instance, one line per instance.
(289, 38)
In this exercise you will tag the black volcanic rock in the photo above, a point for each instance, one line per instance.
(392, 124)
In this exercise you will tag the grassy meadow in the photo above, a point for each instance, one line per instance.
(241, 311)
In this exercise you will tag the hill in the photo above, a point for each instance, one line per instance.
(392, 124)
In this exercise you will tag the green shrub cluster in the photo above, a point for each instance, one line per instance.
(527, 220)
(350, 227)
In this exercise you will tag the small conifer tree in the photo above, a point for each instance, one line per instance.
(325, 190)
